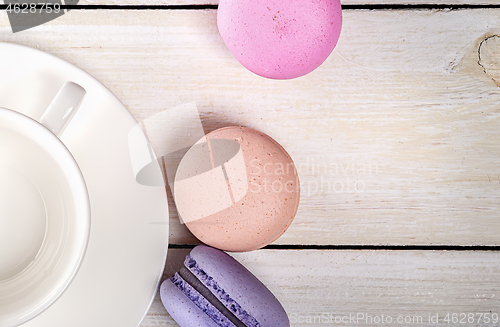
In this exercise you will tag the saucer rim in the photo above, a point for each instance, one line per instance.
(126, 115)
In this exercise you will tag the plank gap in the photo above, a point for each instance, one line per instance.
(344, 7)
(365, 247)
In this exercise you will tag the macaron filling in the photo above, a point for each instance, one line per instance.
(201, 302)
(224, 298)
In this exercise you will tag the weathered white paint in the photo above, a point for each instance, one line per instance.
(345, 2)
(324, 285)
(401, 121)
(408, 106)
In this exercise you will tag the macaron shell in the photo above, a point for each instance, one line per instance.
(182, 309)
(280, 39)
(269, 206)
(241, 285)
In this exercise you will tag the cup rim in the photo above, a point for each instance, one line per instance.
(79, 191)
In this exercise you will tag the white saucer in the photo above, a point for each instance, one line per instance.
(128, 242)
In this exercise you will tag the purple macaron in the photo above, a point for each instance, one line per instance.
(215, 290)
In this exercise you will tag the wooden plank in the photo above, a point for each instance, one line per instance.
(395, 136)
(344, 2)
(321, 287)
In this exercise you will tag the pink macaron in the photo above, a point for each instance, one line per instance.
(280, 39)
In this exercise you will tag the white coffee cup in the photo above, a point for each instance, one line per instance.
(44, 209)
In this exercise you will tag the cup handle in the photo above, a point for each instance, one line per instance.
(63, 107)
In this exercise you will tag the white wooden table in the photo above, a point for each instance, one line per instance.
(396, 138)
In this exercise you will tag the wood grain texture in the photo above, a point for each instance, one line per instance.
(317, 287)
(489, 57)
(344, 2)
(396, 136)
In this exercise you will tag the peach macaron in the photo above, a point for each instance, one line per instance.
(237, 189)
